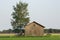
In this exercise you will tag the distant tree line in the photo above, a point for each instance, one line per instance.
(7, 31)
(52, 30)
(45, 30)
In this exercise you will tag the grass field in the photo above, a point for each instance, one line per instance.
(51, 37)
(31, 38)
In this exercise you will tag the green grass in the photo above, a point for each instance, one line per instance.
(55, 37)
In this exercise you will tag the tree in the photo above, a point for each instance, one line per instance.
(50, 30)
(7, 31)
(20, 15)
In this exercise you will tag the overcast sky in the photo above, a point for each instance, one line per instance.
(45, 12)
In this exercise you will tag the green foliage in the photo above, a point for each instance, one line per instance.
(20, 15)
(16, 30)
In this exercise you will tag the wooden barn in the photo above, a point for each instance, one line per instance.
(34, 29)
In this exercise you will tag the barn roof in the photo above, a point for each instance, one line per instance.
(37, 24)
